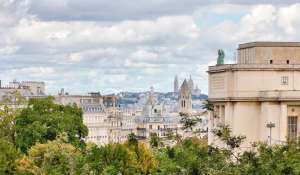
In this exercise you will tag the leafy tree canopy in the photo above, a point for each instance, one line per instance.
(8, 155)
(42, 120)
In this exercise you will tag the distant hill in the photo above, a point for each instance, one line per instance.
(128, 98)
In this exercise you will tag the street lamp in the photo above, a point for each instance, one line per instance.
(270, 125)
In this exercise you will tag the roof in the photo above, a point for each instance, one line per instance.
(184, 85)
(268, 44)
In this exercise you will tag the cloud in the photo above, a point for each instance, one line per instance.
(101, 10)
(289, 18)
(85, 47)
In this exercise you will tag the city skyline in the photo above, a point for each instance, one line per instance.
(84, 47)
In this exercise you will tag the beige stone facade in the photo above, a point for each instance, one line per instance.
(263, 87)
(185, 98)
(100, 114)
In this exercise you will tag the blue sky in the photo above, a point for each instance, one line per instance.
(111, 46)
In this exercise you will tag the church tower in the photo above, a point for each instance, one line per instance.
(185, 98)
(176, 84)
(191, 84)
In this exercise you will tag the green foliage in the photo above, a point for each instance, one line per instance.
(42, 120)
(224, 134)
(121, 159)
(8, 155)
(10, 107)
(155, 140)
(49, 136)
(111, 159)
(278, 159)
(146, 161)
(7, 120)
(207, 106)
(53, 157)
(132, 139)
(188, 122)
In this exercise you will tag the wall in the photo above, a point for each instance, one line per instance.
(251, 83)
(263, 55)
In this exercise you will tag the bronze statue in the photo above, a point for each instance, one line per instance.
(221, 56)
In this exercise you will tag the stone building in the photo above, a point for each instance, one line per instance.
(100, 114)
(185, 98)
(155, 119)
(28, 89)
(262, 87)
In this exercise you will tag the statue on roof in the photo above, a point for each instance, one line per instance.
(221, 56)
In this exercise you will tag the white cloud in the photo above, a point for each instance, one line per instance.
(289, 18)
(8, 50)
(85, 54)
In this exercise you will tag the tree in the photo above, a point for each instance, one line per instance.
(188, 122)
(155, 140)
(43, 120)
(224, 133)
(276, 159)
(53, 157)
(8, 155)
(132, 139)
(146, 162)
(10, 107)
(111, 159)
(207, 106)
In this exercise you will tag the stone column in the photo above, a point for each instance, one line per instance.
(283, 121)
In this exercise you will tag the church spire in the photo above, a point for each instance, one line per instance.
(176, 84)
(185, 98)
(191, 83)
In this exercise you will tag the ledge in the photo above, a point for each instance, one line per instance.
(253, 67)
(263, 96)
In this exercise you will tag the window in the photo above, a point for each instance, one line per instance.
(271, 61)
(287, 61)
(284, 80)
(150, 126)
(292, 127)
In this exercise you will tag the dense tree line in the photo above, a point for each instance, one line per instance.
(46, 138)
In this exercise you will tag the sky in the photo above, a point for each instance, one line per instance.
(130, 45)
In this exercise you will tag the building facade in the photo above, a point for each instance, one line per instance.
(185, 98)
(27, 89)
(262, 87)
(154, 118)
(100, 114)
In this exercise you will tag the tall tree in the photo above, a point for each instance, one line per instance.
(155, 140)
(42, 120)
(8, 155)
(10, 107)
(111, 159)
(53, 157)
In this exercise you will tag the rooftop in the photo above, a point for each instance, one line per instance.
(268, 44)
